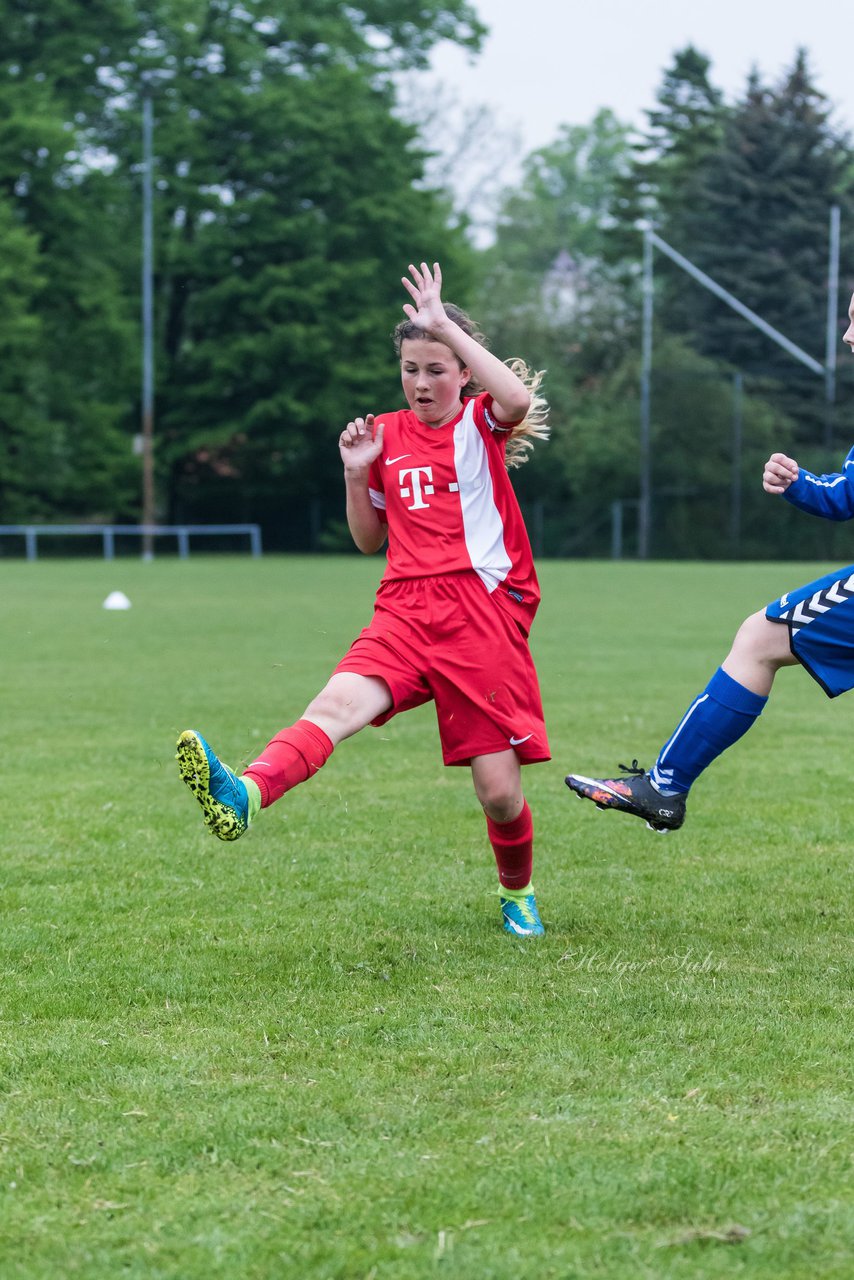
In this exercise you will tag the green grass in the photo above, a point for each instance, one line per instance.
(315, 1053)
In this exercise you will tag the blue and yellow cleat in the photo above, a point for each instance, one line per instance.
(222, 795)
(521, 916)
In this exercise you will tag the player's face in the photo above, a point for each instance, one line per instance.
(848, 336)
(432, 380)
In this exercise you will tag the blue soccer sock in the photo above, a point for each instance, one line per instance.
(722, 714)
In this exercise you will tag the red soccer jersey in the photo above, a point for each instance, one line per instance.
(450, 507)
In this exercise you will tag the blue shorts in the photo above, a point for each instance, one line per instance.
(820, 618)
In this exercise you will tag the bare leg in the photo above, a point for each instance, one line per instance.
(347, 703)
(759, 650)
(498, 785)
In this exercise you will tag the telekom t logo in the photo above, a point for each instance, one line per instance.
(417, 491)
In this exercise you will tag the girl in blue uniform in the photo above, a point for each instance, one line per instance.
(812, 625)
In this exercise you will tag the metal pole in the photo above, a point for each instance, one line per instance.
(737, 433)
(617, 530)
(148, 503)
(539, 525)
(644, 505)
(832, 320)
(712, 285)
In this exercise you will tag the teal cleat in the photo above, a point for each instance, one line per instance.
(222, 795)
(521, 916)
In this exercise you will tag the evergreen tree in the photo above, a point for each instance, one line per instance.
(759, 226)
(684, 129)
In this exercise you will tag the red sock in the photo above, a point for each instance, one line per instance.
(513, 843)
(293, 755)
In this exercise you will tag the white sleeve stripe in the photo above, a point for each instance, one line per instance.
(493, 423)
(377, 499)
(824, 484)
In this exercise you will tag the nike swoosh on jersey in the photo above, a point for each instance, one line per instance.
(517, 742)
(390, 461)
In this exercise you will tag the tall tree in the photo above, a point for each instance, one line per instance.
(684, 128)
(72, 381)
(759, 227)
(285, 184)
(285, 211)
(26, 455)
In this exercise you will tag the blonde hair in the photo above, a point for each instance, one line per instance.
(533, 426)
(520, 439)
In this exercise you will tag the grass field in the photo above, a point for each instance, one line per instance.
(315, 1053)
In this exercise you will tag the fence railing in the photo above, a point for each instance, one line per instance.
(109, 532)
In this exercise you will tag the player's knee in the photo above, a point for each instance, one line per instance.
(762, 640)
(500, 800)
(330, 707)
(347, 703)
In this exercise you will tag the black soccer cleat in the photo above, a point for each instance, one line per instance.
(633, 794)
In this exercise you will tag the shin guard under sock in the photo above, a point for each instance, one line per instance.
(513, 845)
(722, 714)
(290, 758)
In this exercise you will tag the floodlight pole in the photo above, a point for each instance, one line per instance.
(737, 435)
(645, 502)
(832, 321)
(148, 501)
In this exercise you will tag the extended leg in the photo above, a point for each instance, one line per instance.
(715, 720)
(346, 704)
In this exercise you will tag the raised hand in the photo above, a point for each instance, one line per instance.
(425, 289)
(780, 471)
(360, 442)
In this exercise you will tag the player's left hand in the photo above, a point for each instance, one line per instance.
(425, 289)
(361, 442)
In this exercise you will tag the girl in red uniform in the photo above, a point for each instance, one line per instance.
(456, 602)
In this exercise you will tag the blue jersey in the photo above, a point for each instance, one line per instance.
(820, 615)
(831, 496)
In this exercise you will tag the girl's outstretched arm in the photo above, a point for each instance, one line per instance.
(510, 397)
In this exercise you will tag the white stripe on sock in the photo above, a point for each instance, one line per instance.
(698, 702)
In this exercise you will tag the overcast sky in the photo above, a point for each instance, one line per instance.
(552, 62)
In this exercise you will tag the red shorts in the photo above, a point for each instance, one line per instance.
(446, 639)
